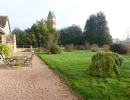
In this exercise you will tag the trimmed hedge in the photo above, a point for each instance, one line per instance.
(105, 64)
(6, 50)
(119, 48)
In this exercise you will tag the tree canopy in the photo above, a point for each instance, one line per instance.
(96, 30)
(41, 34)
(71, 35)
(20, 36)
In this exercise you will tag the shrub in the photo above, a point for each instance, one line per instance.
(94, 47)
(115, 48)
(47, 51)
(106, 47)
(119, 48)
(55, 49)
(123, 49)
(6, 50)
(105, 64)
(69, 48)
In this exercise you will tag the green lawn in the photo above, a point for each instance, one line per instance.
(73, 65)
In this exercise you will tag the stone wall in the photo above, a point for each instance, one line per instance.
(26, 49)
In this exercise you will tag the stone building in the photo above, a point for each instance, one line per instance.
(5, 33)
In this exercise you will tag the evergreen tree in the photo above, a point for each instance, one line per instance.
(105, 64)
(96, 30)
(71, 35)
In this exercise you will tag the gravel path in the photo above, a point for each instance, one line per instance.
(32, 83)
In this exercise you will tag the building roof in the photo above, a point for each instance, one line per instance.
(3, 20)
(9, 38)
(51, 15)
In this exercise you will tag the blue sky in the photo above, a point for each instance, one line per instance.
(23, 13)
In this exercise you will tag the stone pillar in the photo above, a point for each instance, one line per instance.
(14, 44)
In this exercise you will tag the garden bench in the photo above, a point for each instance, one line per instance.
(28, 60)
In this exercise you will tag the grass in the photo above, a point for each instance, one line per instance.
(73, 65)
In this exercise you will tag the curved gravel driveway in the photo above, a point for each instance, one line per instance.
(32, 83)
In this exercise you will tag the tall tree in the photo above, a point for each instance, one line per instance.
(40, 34)
(31, 39)
(71, 35)
(20, 36)
(43, 32)
(96, 30)
(51, 33)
